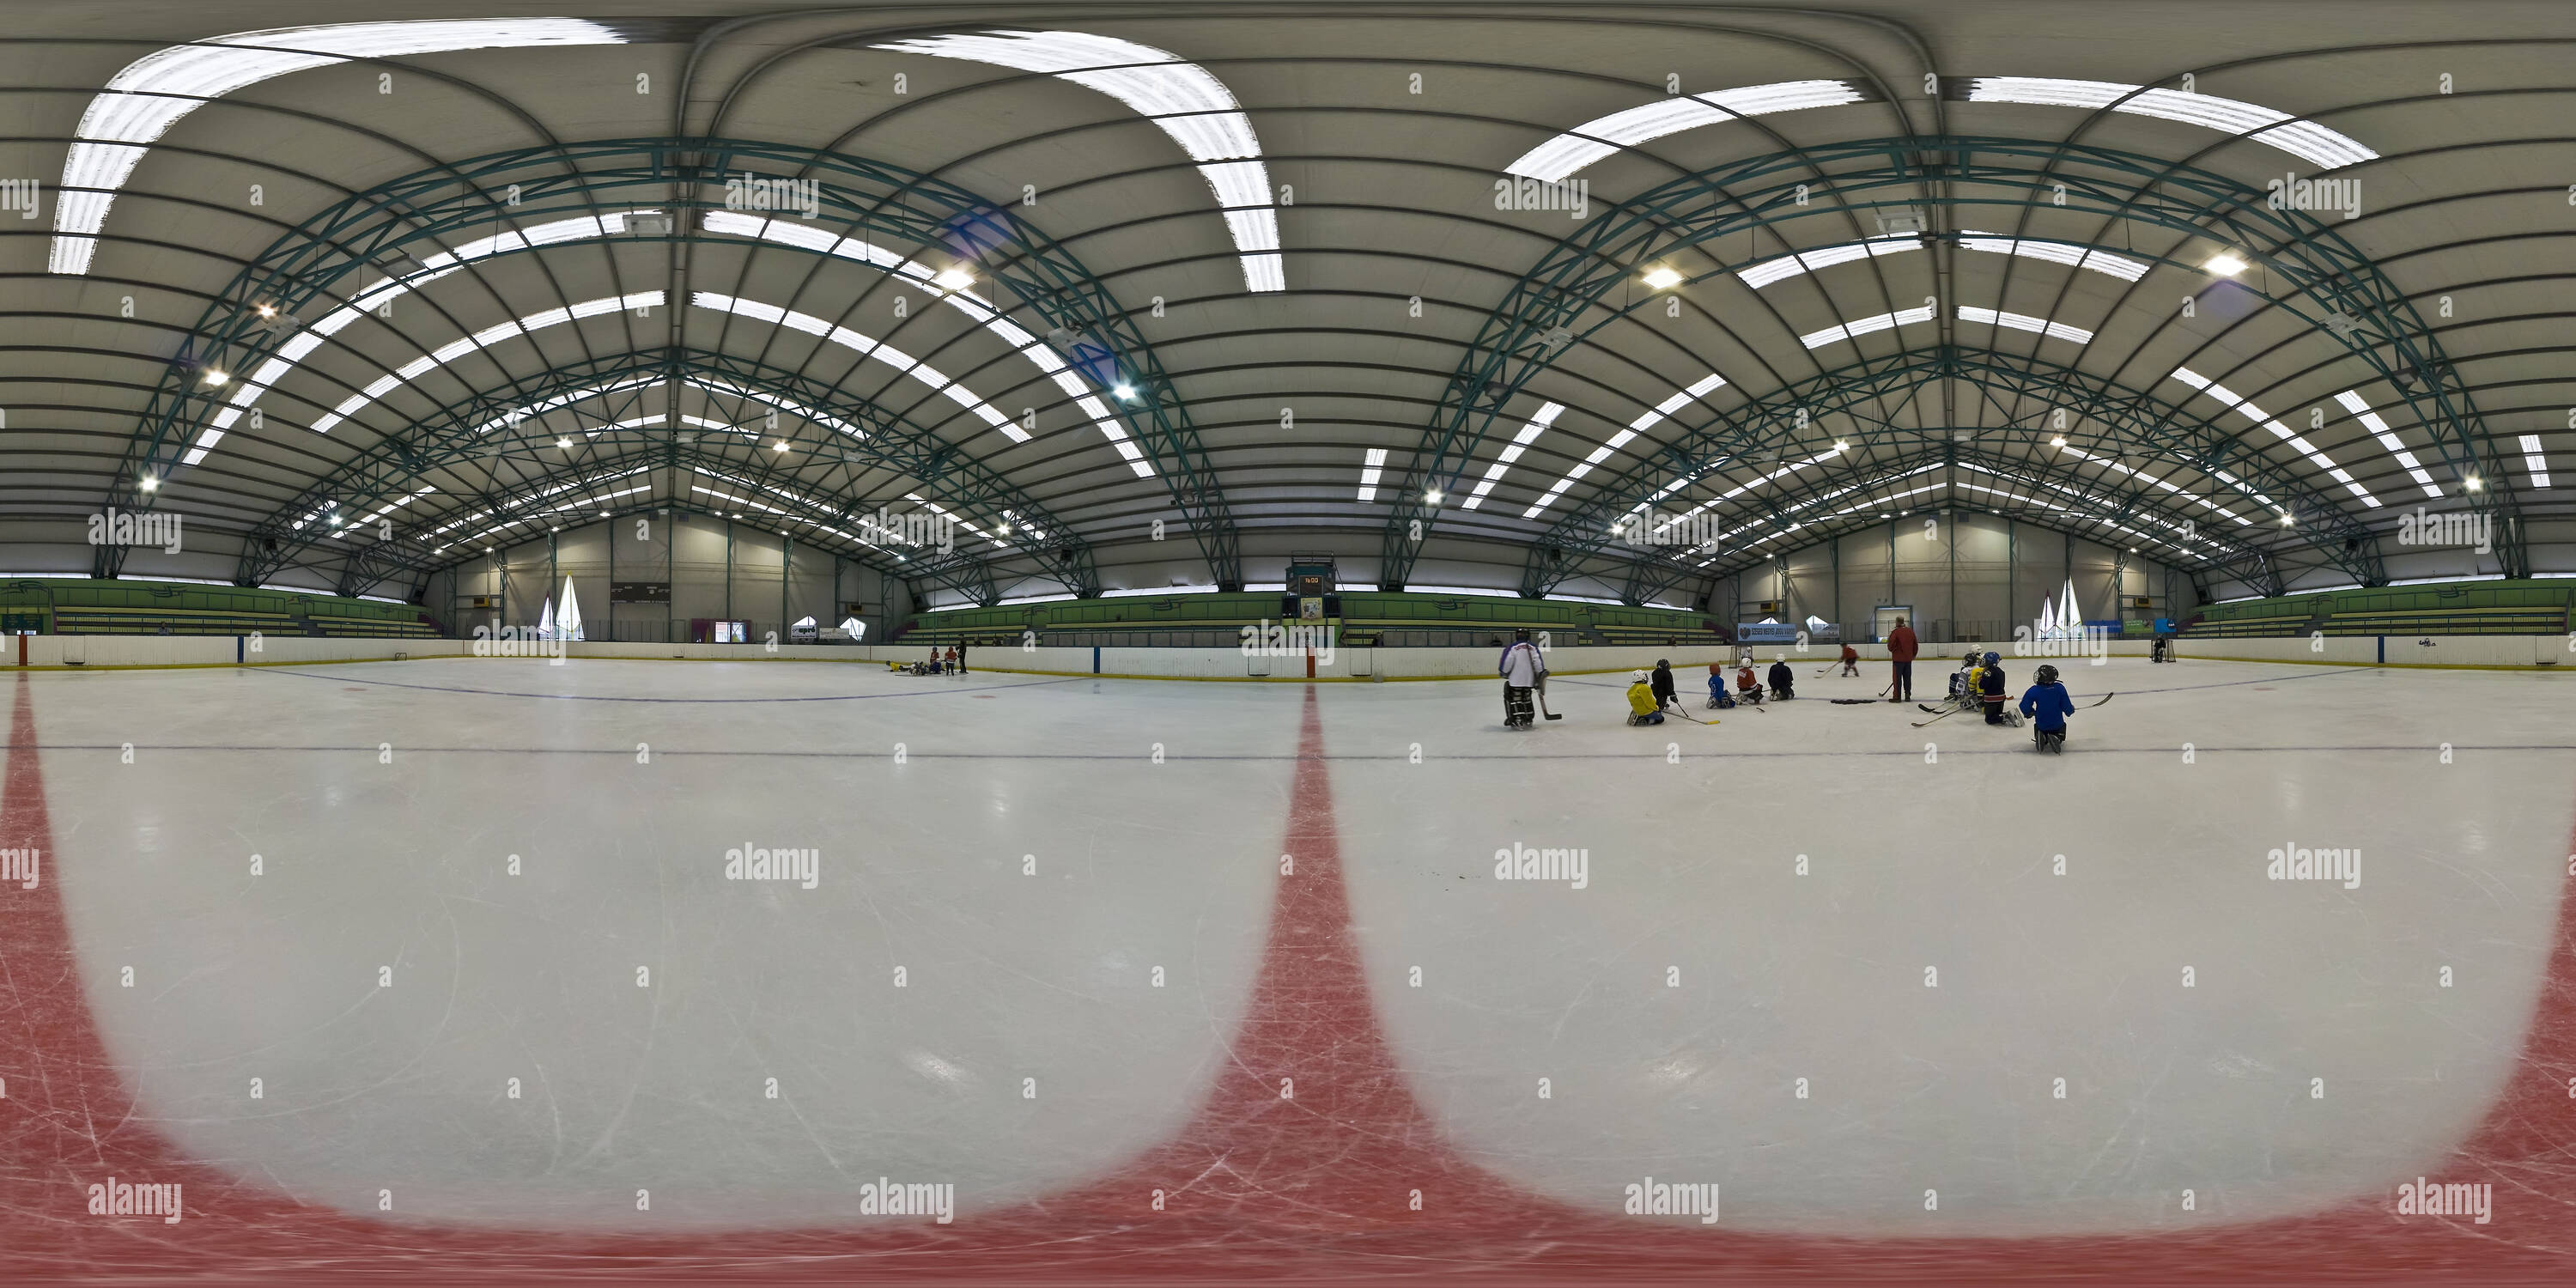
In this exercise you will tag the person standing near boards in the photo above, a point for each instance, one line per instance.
(1522, 669)
(1901, 647)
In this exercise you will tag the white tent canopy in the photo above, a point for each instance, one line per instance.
(568, 623)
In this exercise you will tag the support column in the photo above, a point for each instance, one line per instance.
(786, 569)
(554, 577)
(1952, 522)
(609, 530)
(2012, 557)
(728, 569)
(1835, 552)
(670, 575)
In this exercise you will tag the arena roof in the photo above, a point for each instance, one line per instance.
(1156, 292)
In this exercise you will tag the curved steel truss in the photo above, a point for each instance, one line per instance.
(2105, 423)
(1588, 281)
(406, 220)
(505, 430)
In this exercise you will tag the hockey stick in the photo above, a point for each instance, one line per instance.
(2098, 701)
(1936, 719)
(1541, 693)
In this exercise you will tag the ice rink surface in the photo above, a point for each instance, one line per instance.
(1170, 979)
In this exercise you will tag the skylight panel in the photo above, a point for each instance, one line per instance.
(1579, 147)
(1807, 261)
(2370, 420)
(1529, 433)
(2085, 257)
(871, 347)
(1370, 472)
(2280, 431)
(1047, 361)
(1181, 98)
(1866, 326)
(2534, 460)
(535, 321)
(2306, 140)
(2025, 322)
(438, 265)
(154, 92)
(1707, 384)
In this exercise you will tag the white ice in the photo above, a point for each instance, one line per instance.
(1673, 1004)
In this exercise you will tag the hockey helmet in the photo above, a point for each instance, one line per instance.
(2045, 675)
(1636, 677)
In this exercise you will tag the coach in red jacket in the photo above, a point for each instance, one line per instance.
(1901, 647)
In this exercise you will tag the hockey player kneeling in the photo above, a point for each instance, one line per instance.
(1990, 688)
(2047, 706)
(1641, 701)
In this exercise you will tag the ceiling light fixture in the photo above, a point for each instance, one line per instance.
(1431, 497)
(1127, 392)
(2225, 263)
(2472, 483)
(954, 278)
(2057, 442)
(149, 483)
(215, 378)
(1662, 277)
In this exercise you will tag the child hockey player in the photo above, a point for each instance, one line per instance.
(1717, 686)
(1747, 689)
(1851, 660)
(1990, 688)
(1783, 684)
(2047, 706)
(1662, 683)
(1641, 701)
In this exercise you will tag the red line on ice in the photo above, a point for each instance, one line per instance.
(1256, 1186)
